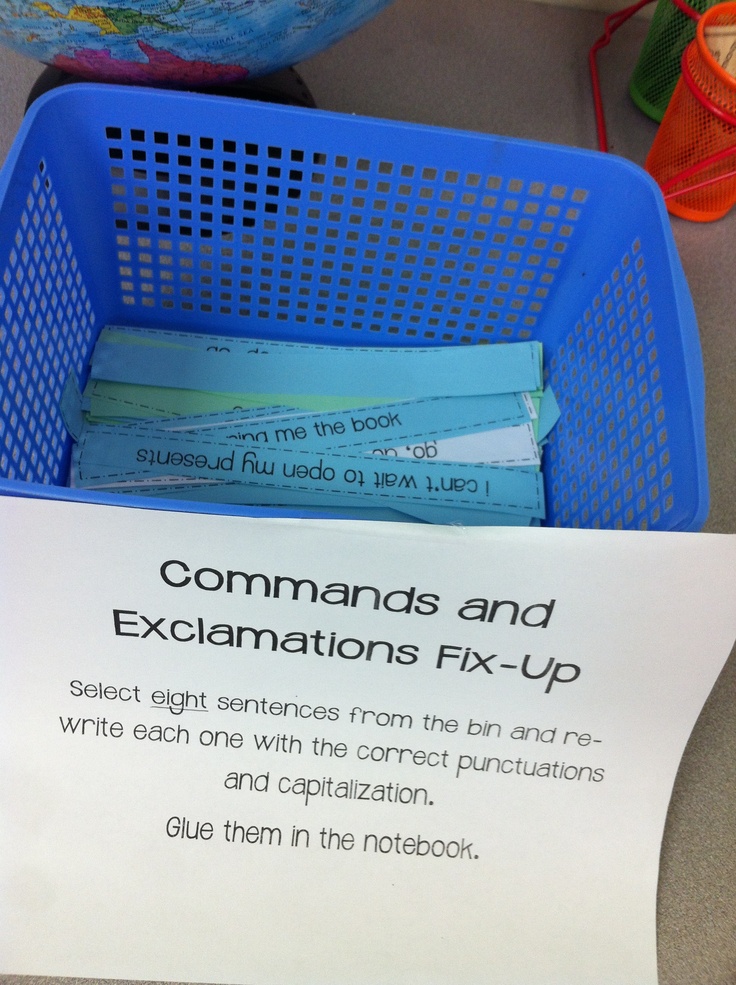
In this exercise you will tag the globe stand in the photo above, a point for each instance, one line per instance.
(285, 87)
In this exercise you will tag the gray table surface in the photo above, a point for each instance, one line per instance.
(518, 68)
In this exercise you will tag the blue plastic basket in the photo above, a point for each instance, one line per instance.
(142, 207)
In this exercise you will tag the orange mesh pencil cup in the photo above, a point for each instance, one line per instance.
(693, 157)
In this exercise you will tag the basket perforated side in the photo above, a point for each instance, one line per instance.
(48, 323)
(610, 461)
(298, 235)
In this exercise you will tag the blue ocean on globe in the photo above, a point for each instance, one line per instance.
(192, 43)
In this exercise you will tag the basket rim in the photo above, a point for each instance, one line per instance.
(129, 94)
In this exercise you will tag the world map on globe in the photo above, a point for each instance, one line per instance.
(192, 43)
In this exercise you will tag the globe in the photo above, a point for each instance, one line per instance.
(185, 43)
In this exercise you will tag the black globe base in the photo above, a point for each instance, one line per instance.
(285, 87)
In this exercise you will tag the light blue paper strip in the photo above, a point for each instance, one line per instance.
(71, 406)
(549, 414)
(116, 451)
(120, 401)
(371, 427)
(465, 518)
(238, 494)
(514, 445)
(236, 365)
(215, 424)
(229, 494)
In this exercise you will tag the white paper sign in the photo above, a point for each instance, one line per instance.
(282, 752)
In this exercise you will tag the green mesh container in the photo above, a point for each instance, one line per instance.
(658, 68)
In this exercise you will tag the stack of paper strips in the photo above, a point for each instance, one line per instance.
(449, 434)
